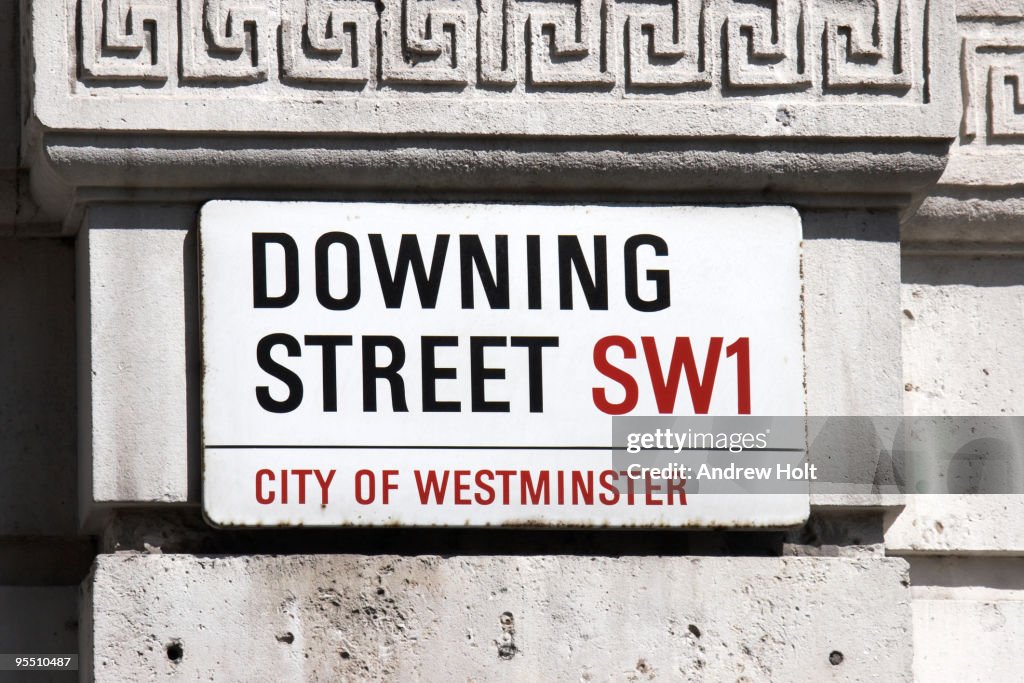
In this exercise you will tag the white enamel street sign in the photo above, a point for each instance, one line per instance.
(454, 364)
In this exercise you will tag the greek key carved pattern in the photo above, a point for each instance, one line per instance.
(122, 39)
(1006, 88)
(230, 40)
(767, 48)
(496, 42)
(870, 49)
(993, 82)
(421, 42)
(665, 45)
(327, 41)
(566, 43)
(766, 45)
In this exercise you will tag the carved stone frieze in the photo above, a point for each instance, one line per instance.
(812, 46)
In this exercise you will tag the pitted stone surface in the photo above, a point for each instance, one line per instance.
(960, 315)
(960, 319)
(948, 524)
(548, 618)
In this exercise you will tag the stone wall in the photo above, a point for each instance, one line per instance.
(895, 128)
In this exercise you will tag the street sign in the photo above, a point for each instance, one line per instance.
(463, 364)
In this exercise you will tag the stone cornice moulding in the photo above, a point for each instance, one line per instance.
(118, 77)
(84, 169)
(979, 199)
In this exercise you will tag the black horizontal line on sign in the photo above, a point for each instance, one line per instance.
(488, 448)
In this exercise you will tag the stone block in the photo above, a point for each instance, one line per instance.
(968, 618)
(136, 271)
(551, 618)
